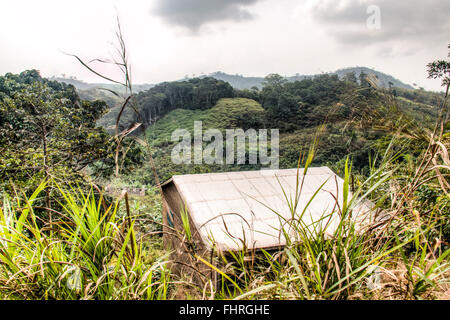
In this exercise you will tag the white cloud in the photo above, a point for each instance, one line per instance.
(193, 14)
(285, 38)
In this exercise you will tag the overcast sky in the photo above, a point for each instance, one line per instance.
(169, 39)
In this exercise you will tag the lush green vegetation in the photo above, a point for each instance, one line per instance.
(241, 82)
(63, 237)
(154, 103)
(93, 252)
(46, 131)
(359, 121)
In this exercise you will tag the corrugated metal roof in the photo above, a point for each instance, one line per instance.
(230, 209)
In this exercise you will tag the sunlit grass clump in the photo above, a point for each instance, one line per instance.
(88, 252)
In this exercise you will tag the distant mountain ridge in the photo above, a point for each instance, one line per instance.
(81, 85)
(242, 82)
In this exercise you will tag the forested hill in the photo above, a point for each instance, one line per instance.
(291, 103)
(47, 130)
(243, 82)
(154, 101)
(85, 86)
(296, 108)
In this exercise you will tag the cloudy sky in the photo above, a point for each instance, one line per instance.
(169, 39)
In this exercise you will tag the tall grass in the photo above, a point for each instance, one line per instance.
(400, 253)
(313, 264)
(349, 263)
(97, 254)
(88, 253)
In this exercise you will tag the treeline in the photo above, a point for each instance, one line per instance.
(358, 118)
(47, 131)
(288, 106)
(305, 103)
(151, 105)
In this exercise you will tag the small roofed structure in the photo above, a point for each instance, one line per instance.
(248, 210)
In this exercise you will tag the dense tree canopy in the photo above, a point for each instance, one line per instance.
(151, 105)
(47, 131)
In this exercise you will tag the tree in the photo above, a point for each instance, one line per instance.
(274, 81)
(46, 132)
(351, 77)
(440, 69)
(151, 105)
(363, 80)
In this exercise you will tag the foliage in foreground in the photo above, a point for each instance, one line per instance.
(91, 252)
(392, 255)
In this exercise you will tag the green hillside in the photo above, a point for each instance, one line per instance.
(350, 130)
(244, 82)
(64, 176)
